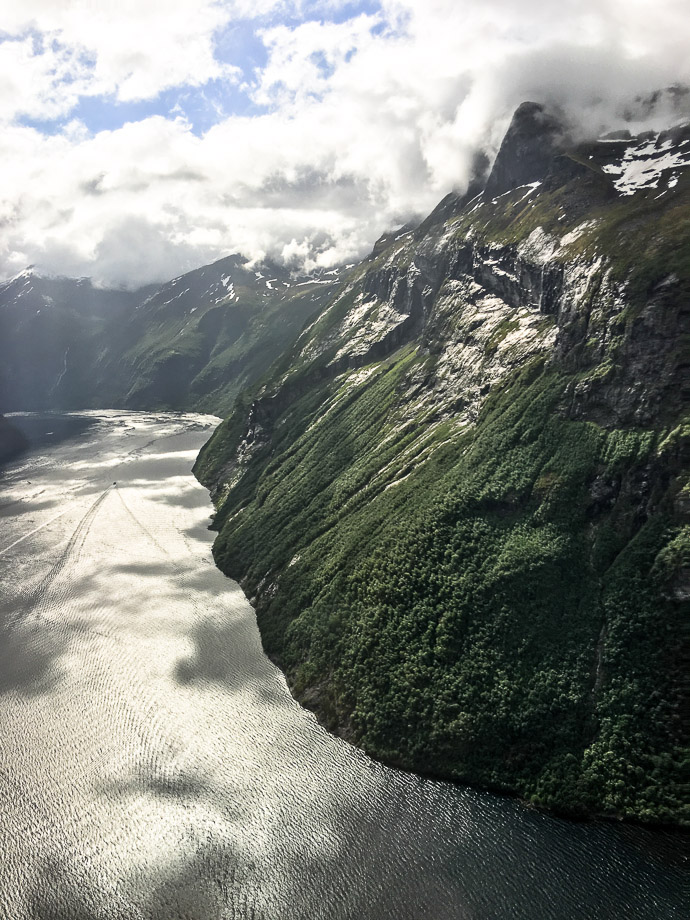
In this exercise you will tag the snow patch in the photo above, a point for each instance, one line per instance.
(530, 186)
(176, 297)
(539, 247)
(313, 281)
(643, 165)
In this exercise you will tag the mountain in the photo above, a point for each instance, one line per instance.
(460, 500)
(49, 331)
(12, 441)
(191, 343)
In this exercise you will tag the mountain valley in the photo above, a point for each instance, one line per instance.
(452, 479)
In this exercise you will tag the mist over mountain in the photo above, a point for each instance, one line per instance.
(192, 343)
(459, 500)
(289, 130)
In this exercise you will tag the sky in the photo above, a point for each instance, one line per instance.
(142, 139)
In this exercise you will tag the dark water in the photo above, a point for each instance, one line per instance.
(153, 764)
(46, 429)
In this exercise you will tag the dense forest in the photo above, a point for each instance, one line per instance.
(460, 500)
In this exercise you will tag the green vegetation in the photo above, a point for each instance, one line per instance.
(203, 360)
(495, 598)
(505, 327)
(484, 619)
(192, 344)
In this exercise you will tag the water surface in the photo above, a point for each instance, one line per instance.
(154, 765)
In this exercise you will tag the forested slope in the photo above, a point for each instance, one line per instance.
(460, 501)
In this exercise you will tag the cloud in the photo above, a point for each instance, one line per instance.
(42, 83)
(130, 49)
(362, 115)
(302, 60)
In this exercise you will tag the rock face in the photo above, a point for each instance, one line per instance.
(192, 343)
(460, 501)
(527, 151)
(50, 331)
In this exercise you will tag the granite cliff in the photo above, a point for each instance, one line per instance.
(460, 499)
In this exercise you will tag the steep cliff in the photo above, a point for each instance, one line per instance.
(460, 501)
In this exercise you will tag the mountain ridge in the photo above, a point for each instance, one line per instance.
(459, 500)
(454, 477)
(191, 343)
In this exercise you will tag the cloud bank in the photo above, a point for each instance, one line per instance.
(331, 121)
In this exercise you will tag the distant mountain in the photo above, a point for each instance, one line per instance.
(50, 331)
(460, 501)
(192, 343)
(12, 441)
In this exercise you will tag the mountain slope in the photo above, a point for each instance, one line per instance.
(50, 329)
(460, 500)
(192, 343)
(201, 338)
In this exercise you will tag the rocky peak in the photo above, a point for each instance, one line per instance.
(527, 149)
(478, 447)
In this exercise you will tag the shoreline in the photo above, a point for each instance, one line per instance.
(310, 699)
(579, 817)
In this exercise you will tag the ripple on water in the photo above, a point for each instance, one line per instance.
(155, 766)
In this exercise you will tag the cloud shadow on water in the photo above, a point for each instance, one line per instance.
(18, 507)
(200, 887)
(223, 654)
(29, 663)
(179, 786)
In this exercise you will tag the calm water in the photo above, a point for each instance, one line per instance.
(154, 765)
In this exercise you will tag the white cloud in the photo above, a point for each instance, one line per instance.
(364, 122)
(134, 49)
(43, 84)
(303, 60)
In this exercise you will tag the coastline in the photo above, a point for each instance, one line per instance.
(310, 701)
(313, 700)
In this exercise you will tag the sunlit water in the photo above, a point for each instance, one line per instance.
(154, 765)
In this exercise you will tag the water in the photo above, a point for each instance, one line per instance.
(154, 765)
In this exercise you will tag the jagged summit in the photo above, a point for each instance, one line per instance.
(538, 147)
(525, 156)
(459, 500)
(527, 150)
